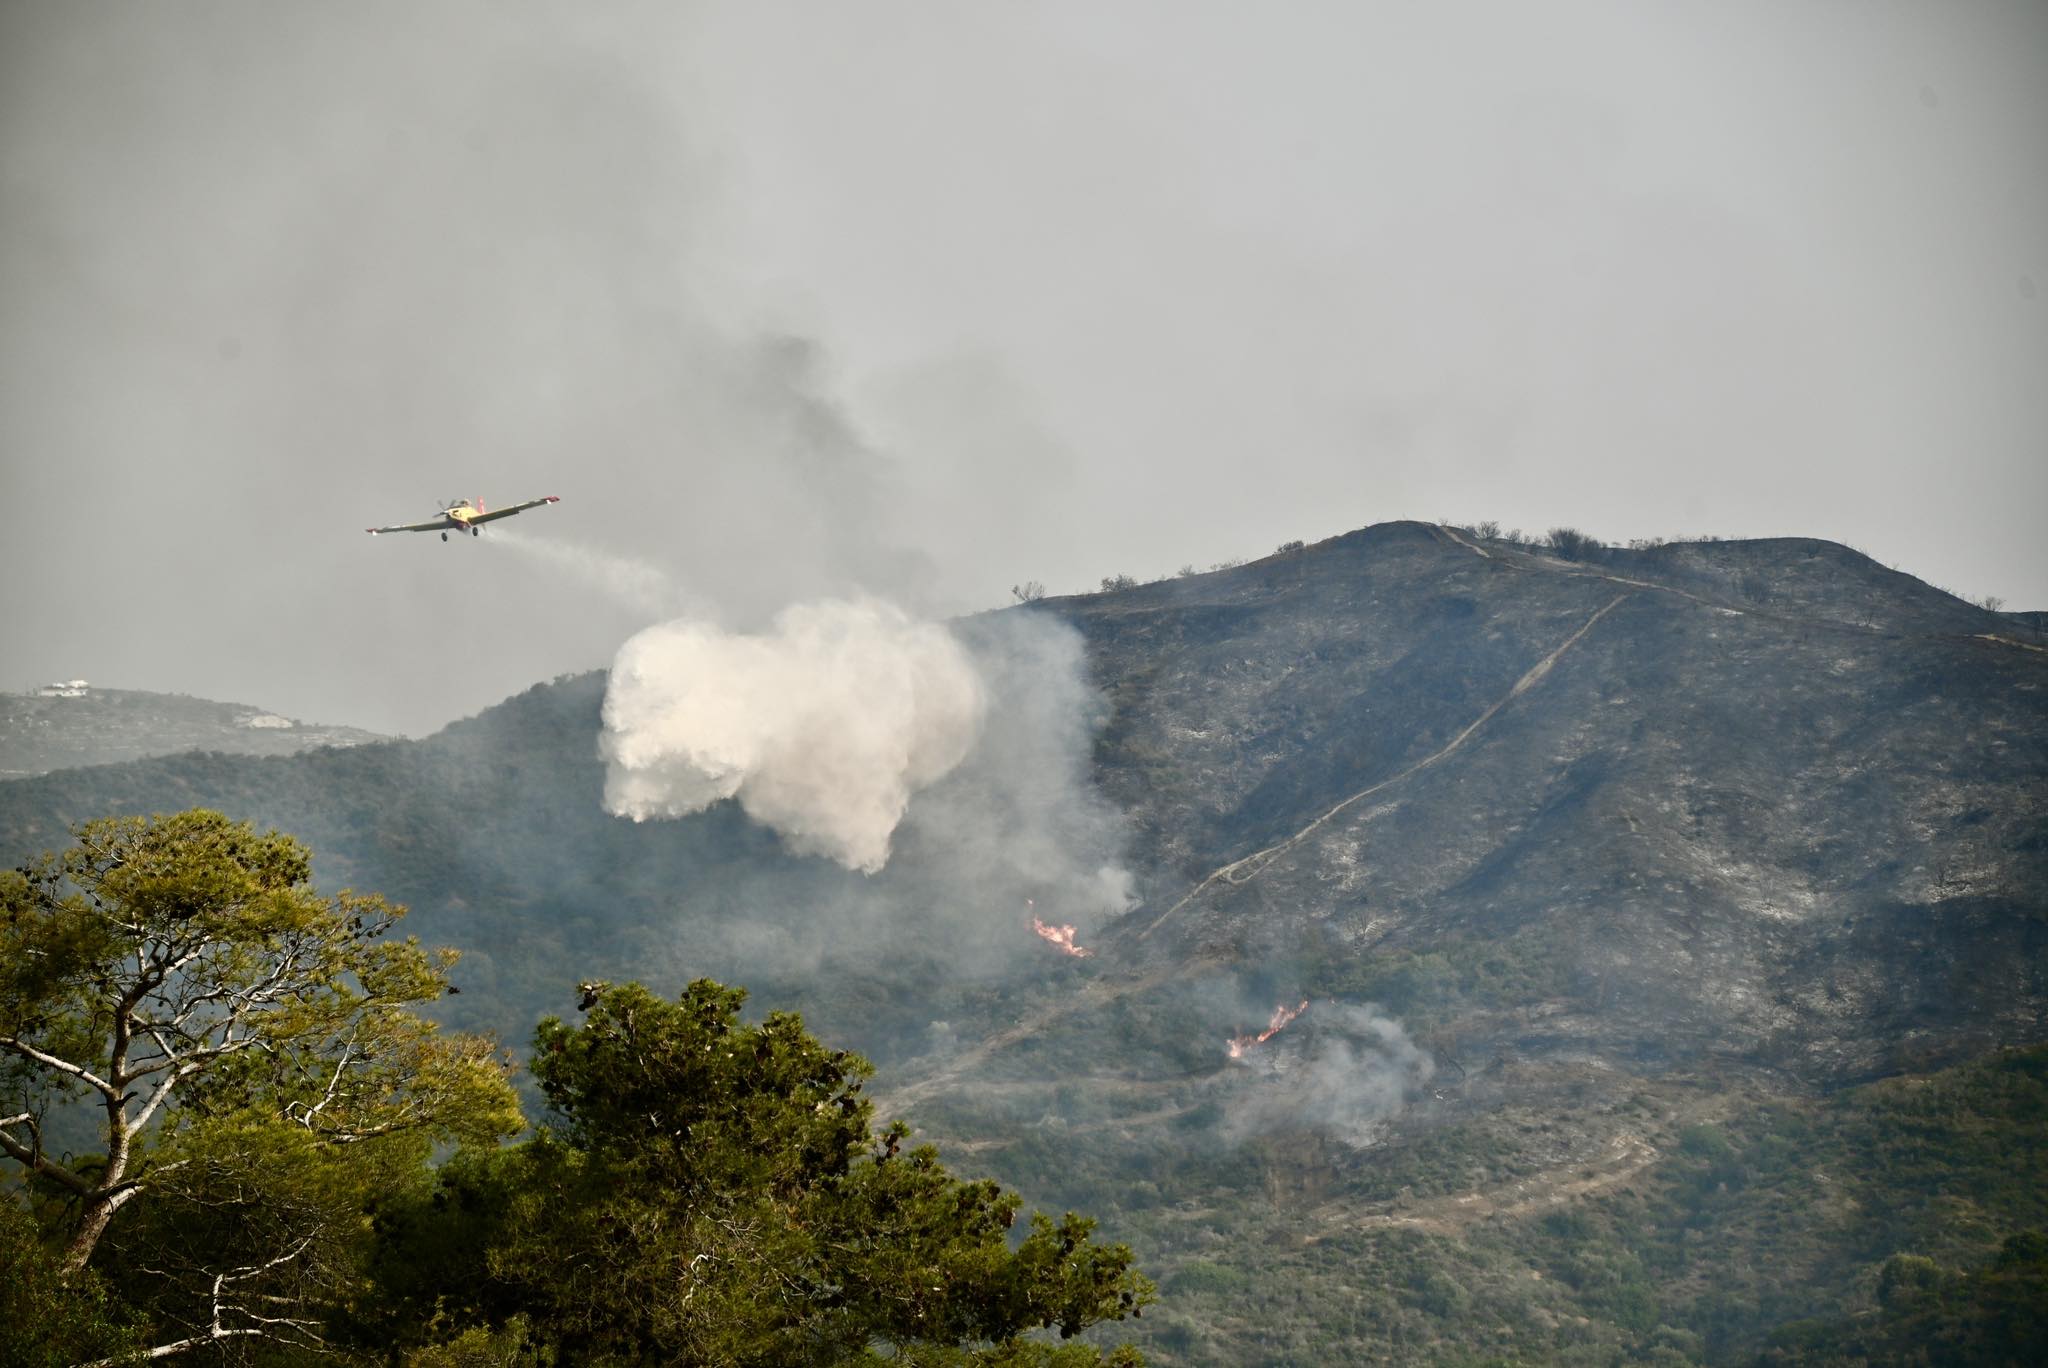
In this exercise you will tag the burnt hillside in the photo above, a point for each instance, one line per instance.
(1776, 800)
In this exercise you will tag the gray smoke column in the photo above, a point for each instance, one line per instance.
(1021, 816)
(822, 727)
(1358, 1071)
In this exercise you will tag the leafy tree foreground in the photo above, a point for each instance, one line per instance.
(264, 1105)
(715, 1194)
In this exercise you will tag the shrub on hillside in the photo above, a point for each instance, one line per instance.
(1568, 543)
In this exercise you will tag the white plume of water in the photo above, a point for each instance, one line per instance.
(634, 584)
(821, 727)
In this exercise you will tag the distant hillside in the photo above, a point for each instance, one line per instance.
(1612, 882)
(82, 726)
(2033, 625)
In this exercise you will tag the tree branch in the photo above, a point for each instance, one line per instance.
(65, 1066)
(213, 1335)
(31, 1155)
(264, 1327)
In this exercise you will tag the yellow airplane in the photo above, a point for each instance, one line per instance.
(463, 516)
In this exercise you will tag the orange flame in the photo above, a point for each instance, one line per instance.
(1281, 1016)
(1061, 936)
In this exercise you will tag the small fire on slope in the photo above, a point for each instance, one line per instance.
(1281, 1016)
(1061, 936)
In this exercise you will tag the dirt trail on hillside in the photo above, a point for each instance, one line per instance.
(1535, 560)
(1627, 1155)
(1099, 993)
(1563, 568)
(1243, 870)
(2008, 641)
(1624, 1157)
(1127, 1125)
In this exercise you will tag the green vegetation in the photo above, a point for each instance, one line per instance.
(1591, 1216)
(715, 1194)
(250, 1059)
(1884, 1222)
(46, 1319)
(1993, 1314)
(268, 1105)
(707, 1188)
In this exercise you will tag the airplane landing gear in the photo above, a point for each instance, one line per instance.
(444, 536)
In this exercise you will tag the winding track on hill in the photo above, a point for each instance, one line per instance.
(1624, 1156)
(1529, 560)
(1562, 568)
(1096, 994)
(1241, 871)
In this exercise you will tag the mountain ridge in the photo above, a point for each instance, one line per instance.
(1579, 862)
(77, 726)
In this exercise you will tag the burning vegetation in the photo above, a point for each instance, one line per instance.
(1061, 936)
(1282, 1015)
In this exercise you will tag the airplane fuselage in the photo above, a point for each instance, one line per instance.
(464, 516)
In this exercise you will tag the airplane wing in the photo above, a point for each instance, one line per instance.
(438, 525)
(497, 513)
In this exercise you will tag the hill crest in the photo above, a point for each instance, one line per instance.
(81, 725)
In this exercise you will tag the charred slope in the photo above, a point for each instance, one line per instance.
(1764, 799)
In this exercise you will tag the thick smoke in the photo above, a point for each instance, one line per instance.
(1355, 1070)
(855, 724)
(823, 727)
(1020, 817)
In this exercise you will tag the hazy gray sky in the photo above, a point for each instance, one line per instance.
(942, 296)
